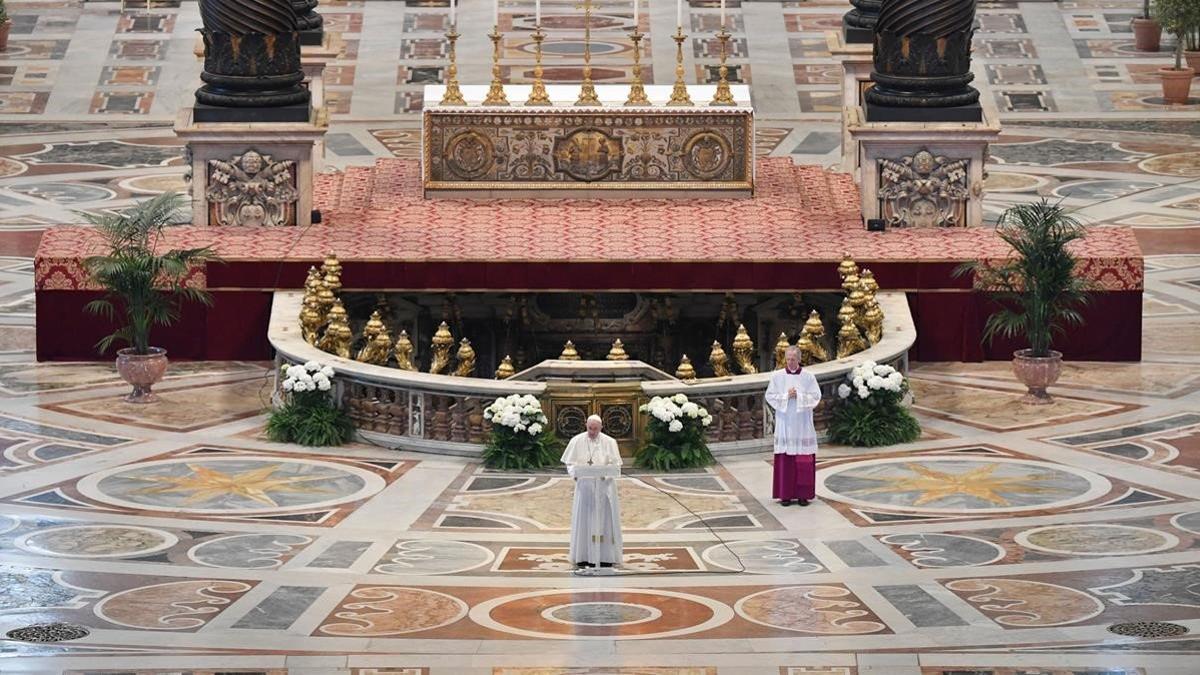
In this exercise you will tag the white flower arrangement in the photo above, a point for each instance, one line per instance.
(868, 377)
(310, 376)
(672, 410)
(521, 413)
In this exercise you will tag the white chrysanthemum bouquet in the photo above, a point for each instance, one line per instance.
(517, 412)
(311, 376)
(868, 377)
(307, 413)
(870, 410)
(676, 429)
(521, 438)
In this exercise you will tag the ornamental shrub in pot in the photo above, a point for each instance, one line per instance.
(1147, 31)
(1037, 289)
(1182, 19)
(144, 287)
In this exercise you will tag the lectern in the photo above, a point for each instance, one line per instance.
(594, 483)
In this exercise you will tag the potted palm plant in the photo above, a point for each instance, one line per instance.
(1147, 31)
(144, 287)
(1182, 19)
(5, 27)
(1037, 290)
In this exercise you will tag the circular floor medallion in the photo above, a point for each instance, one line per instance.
(770, 556)
(229, 485)
(820, 610)
(97, 541)
(945, 550)
(1188, 522)
(1185, 164)
(601, 614)
(629, 614)
(377, 611)
(1148, 629)
(247, 551)
(48, 632)
(1096, 540)
(954, 485)
(432, 556)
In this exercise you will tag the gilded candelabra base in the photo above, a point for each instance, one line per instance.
(679, 94)
(495, 94)
(587, 90)
(637, 90)
(453, 95)
(723, 95)
(538, 95)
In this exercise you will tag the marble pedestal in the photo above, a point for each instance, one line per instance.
(254, 173)
(856, 78)
(922, 174)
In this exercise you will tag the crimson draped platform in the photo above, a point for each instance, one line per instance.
(788, 237)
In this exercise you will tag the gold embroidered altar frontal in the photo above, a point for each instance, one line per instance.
(661, 150)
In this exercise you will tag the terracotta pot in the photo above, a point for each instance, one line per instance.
(1176, 83)
(1037, 373)
(142, 371)
(1193, 60)
(5, 28)
(1147, 34)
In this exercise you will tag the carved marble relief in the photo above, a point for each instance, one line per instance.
(634, 150)
(923, 190)
(252, 189)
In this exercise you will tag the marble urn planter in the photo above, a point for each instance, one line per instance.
(1037, 373)
(142, 371)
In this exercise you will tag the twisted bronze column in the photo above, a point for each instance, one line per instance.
(311, 24)
(251, 62)
(858, 25)
(922, 61)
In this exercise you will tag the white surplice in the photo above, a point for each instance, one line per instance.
(794, 430)
(595, 513)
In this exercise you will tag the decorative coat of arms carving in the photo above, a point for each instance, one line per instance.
(252, 189)
(924, 190)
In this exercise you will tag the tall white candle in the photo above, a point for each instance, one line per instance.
(496, 13)
(679, 13)
(635, 13)
(453, 10)
(537, 11)
(722, 13)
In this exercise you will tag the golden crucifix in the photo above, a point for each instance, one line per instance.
(587, 91)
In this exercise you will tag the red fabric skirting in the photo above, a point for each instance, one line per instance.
(949, 325)
(795, 477)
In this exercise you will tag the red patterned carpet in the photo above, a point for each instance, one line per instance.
(788, 237)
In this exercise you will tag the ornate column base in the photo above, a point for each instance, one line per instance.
(922, 174)
(236, 169)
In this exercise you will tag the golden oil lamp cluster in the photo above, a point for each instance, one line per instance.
(860, 320)
(325, 324)
(496, 95)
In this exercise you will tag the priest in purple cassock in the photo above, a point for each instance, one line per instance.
(793, 392)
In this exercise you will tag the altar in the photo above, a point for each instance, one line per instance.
(607, 148)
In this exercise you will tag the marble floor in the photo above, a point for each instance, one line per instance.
(1003, 542)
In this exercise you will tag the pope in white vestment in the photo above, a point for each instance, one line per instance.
(596, 513)
(793, 392)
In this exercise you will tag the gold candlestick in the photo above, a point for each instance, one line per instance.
(723, 96)
(587, 90)
(495, 95)
(679, 95)
(637, 92)
(538, 95)
(453, 95)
